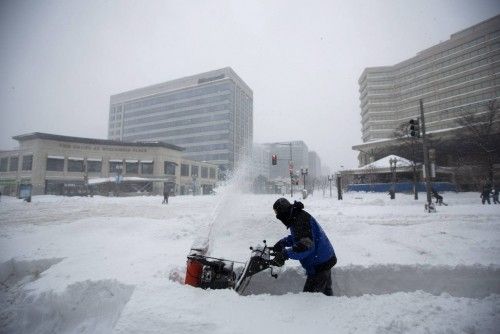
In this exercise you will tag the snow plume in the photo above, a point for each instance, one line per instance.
(229, 205)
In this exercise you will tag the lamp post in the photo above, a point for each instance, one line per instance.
(86, 177)
(304, 172)
(330, 179)
(119, 170)
(194, 184)
(339, 186)
(393, 162)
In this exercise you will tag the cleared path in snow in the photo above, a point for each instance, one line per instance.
(461, 281)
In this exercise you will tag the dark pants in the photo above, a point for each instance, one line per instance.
(320, 282)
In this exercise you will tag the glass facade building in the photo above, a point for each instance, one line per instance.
(299, 156)
(453, 77)
(209, 114)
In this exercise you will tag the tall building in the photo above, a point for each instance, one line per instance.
(261, 161)
(297, 152)
(208, 114)
(452, 78)
(314, 165)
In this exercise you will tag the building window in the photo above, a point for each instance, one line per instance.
(75, 165)
(113, 164)
(169, 168)
(14, 164)
(55, 164)
(184, 170)
(131, 167)
(146, 167)
(27, 162)
(94, 166)
(204, 172)
(4, 162)
(212, 173)
(194, 170)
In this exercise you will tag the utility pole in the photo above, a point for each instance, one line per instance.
(330, 179)
(304, 172)
(426, 159)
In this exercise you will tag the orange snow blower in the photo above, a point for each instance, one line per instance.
(214, 273)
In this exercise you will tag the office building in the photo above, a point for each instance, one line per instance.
(314, 165)
(208, 114)
(296, 151)
(452, 78)
(261, 161)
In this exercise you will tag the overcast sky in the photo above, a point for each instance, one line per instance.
(61, 60)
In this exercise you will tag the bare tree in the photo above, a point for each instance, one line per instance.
(480, 130)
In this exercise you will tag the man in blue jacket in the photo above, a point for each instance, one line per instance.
(307, 243)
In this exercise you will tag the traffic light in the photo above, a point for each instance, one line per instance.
(414, 128)
(274, 159)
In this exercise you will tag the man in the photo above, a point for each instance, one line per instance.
(495, 195)
(439, 198)
(165, 197)
(485, 194)
(307, 243)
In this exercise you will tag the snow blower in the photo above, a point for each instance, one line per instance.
(208, 272)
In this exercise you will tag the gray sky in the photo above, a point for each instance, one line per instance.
(61, 60)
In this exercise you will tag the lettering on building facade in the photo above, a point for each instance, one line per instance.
(103, 148)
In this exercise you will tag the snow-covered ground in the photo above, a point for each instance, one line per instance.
(102, 265)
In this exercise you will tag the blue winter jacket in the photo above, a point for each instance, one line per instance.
(308, 243)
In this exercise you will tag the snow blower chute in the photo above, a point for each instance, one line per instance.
(208, 272)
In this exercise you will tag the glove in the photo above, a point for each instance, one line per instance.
(278, 247)
(279, 258)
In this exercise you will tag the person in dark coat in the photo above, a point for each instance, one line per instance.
(392, 193)
(439, 198)
(307, 243)
(165, 197)
(495, 196)
(485, 194)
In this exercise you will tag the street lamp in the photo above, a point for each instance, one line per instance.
(330, 179)
(392, 163)
(119, 170)
(304, 172)
(194, 184)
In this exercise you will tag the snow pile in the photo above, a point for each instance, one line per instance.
(386, 162)
(102, 265)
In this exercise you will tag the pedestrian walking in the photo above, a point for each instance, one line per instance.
(495, 196)
(439, 198)
(485, 194)
(165, 197)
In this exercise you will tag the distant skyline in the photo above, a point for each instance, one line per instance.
(60, 61)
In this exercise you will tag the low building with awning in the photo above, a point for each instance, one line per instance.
(65, 165)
